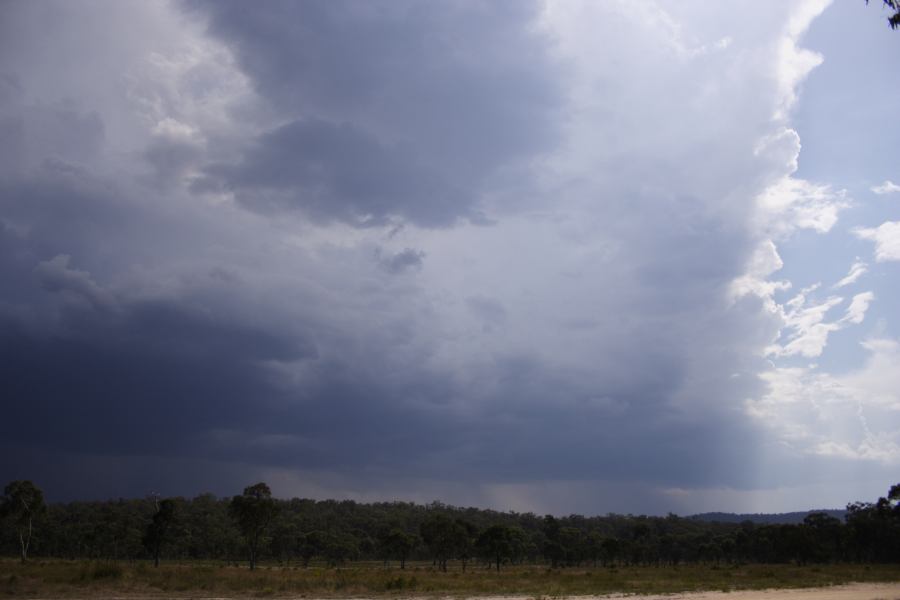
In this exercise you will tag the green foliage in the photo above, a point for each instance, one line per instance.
(98, 571)
(158, 528)
(401, 583)
(399, 545)
(253, 511)
(336, 533)
(442, 536)
(336, 548)
(501, 542)
(894, 19)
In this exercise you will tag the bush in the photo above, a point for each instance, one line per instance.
(105, 571)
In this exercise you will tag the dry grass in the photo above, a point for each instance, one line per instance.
(68, 579)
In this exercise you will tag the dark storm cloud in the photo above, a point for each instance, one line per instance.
(152, 329)
(33, 133)
(170, 160)
(339, 172)
(107, 374)
(117, 377)
(398, 109)
(405, 260)
(104, 371)
(88, 367)
(61, 207)
(101, 373)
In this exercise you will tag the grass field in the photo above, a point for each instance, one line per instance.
(71, 579)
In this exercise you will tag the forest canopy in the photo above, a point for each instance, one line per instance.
(254, 526)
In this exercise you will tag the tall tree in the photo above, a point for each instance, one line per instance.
(22, 502)
(497, 542)
(464, 534)
(399, 544)
(253, 510)
(438, 533)
(310, 545)
(338, 547)
(155, 536)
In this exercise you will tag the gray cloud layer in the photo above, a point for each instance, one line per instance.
(373, 249)
(404, 109)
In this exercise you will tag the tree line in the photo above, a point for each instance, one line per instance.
(254, 526)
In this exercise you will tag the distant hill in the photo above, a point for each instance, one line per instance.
(762, 518)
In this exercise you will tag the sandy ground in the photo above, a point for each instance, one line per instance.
(853, 591)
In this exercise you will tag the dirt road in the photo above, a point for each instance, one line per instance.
(854, 591)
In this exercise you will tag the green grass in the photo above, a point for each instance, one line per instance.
(73, 579)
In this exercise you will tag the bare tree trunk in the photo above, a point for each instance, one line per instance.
(23, 546)
(25, 541)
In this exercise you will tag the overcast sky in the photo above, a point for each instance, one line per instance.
(563, 256)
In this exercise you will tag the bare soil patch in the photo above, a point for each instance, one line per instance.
(853, 591)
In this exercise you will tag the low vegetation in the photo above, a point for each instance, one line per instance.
(80, 579)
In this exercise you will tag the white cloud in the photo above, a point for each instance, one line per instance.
(763, 262)
(857, 270)
(795, 63)
(856, 312)
(809, 331)
(886, 237)
(888, 187)
(791, 204)
(855, 415)
(805, 326)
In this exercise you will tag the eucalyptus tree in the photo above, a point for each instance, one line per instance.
(464, 536)
(500, 542)
(158, 529)
(22, 502)
(253, 511)
(438, 533)
(339, 547)
(399, 545)
(310, 545)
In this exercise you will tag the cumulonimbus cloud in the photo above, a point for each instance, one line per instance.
(410, 239)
